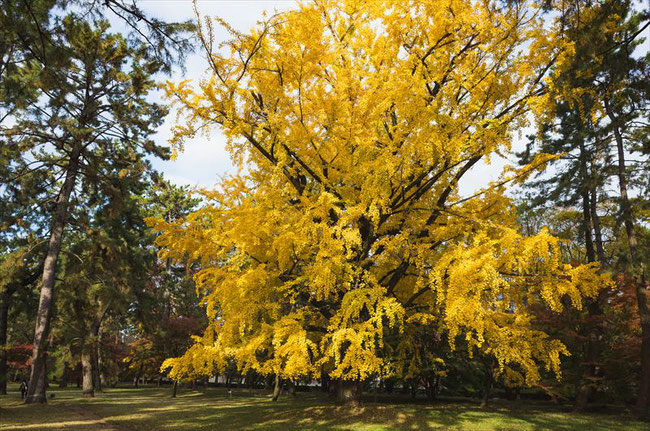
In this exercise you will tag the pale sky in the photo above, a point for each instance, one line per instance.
(205, 160)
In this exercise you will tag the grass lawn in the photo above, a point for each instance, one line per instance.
(151, 409)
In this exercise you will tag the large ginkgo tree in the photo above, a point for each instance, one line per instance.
(344, 234)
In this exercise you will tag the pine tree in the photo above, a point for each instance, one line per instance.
(599, 125)
(93, 111)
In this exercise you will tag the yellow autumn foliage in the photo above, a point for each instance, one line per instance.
(343, 234)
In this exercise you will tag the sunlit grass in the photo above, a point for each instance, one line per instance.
(150, 409)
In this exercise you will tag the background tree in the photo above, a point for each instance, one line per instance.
(600, 126)
(94, 111)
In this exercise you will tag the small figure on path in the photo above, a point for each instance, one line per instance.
(23, 390)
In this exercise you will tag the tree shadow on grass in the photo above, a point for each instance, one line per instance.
(152, 409)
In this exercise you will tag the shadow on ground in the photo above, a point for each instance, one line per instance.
(150, 409)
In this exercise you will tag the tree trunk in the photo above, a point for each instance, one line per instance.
(638, 270)
(349, 393)
(431, 387)
(87, 387)
(277, 389)
(586, 226)
(598, 236)
(414, 388)
(175, 389)
(94, 354)
(64, 376)
(592, 333)
(643, 398)
(487, 386)
(4, 312)
(325, 381)
(94, 359)
(36, 392)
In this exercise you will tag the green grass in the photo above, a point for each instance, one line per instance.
(151, 409)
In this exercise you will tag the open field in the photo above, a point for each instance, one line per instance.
(151, 409)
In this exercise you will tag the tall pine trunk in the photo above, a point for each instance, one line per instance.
(94, 353)
(593, 334)
(36, 392)
(598, 235)
(4, 312)
(643, 397)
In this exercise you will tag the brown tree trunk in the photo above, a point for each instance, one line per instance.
(94, 354)
(598, 236)
(291, 389)
(414, 388)
(250, 379)
(36, 392)
(349, 393)
(64, 376)
(175, 389)
(325, 381)
(643, 399)
(94, 359)
(87, 387)
(4, 313)
(431, 387)
(586, 226)
(638, 270)
(592, 328)
(277, 389)
(487, 386)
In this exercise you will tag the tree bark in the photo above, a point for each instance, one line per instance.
(587, 388)
(94, 337)
(36, 392)
(638, 269)
(598, 236)
(250, 379)
(414, 384)
(431, 387)
(487, 386)
(94, 360)
(4, 314)
(277, 389)
(64, 376)
(349, 393)
(291, 389)
(586, 226)
(175, 389)
(325, 381)
(87, 387)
